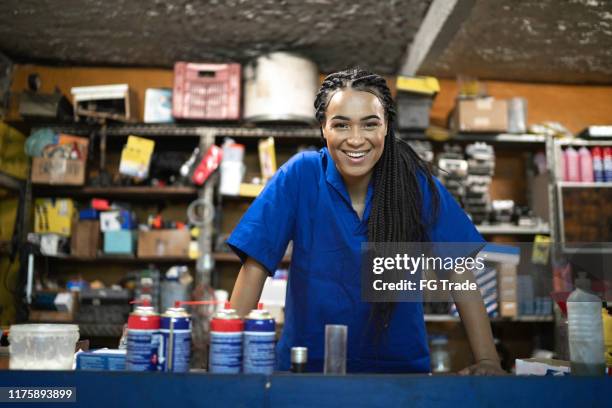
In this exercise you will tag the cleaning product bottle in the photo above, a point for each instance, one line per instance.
(572, 164)
(607, 163)
(598, 174)
(586, 165)
(585, 331)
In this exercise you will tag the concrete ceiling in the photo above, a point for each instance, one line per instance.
(335, 34)
(526, 40)
(566, 41)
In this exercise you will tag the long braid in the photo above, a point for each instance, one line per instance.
(397, 204)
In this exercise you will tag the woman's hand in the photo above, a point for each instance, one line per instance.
(484, 367)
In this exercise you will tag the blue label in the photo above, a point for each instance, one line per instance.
(142, 350)
(225, 352)
(261, 325)
(174, 354)
(259, 352)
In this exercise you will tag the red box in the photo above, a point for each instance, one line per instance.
(206, 91)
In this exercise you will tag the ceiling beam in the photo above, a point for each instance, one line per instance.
(438, 28)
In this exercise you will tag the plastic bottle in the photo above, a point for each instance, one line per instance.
(572, 164)
(586, 165)
(607, 163)
(439, 355)
(598, 173)
(585, 331)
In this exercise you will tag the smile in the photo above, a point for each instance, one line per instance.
(356, 154)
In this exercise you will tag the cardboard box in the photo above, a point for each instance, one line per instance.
(85, 240)
(47, 170)
(542, 366)
(507, 280)
(119, 242)
(53, 216)
(164, 243)
(481, 115)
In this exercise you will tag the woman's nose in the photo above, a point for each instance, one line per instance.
(356, 138)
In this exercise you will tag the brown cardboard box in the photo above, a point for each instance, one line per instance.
(85, 240)
(163, 243)
(56, 170)
(481, 115)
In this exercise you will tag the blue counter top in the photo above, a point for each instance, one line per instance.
(133, 390)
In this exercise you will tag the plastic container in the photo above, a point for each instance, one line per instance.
(439, 355)
(572, 164)
(586, 165)
(42, 346)
(206, 91)
(585, 331)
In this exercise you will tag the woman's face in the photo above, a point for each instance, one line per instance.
(355, 129)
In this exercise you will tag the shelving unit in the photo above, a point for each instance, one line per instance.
(480, 137)
(9, 182)
(116, 192)
(511, 229)
(226, 257)
(519, 319)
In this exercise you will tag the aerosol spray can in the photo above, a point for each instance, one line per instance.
(175, 350)
(259, 342)
(143, 339)
(226, 331)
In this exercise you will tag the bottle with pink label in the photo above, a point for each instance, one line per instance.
(572, 164)
(586, 165)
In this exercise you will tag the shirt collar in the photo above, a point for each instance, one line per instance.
(333, 177)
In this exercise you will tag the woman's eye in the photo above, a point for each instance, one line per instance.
(370, 125)
(340, 126)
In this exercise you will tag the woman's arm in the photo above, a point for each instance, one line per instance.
(478, 329)
(248, 287)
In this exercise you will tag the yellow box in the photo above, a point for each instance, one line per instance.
(250, 190)
(53, 216)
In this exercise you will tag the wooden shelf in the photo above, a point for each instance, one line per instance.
(125, 192)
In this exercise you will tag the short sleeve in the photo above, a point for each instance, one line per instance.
(451, 223)
(266, 228)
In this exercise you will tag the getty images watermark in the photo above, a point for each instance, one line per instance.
(441, 272)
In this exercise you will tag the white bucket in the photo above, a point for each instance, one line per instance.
(280, 87)
(42, 346)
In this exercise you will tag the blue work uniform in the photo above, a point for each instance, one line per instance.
(307, 202)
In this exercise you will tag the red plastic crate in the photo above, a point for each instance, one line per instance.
(206, 91)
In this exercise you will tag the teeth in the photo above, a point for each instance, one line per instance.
(356, 155)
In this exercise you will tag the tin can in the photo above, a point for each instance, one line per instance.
(226, 329)
(143, 340)
(175, 350)
(259, 355)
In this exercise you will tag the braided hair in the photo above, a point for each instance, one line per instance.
(397, 206)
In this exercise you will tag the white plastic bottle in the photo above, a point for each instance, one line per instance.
(585, 330)
(586, 165)
(572, 164)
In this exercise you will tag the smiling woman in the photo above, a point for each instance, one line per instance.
(364, 186)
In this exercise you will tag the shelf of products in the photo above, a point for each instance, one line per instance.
(582, 142)
(481, 137)
(580, 184)
(192, 130)
(511, 229)
(125, 192)
(519, 319)
(217, 256)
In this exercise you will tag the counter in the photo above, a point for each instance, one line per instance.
(133, 390)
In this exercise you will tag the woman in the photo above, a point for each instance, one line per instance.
(364, 186)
